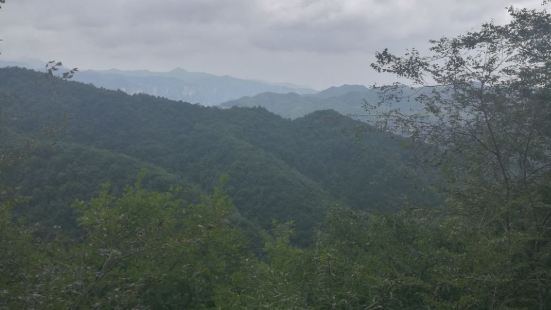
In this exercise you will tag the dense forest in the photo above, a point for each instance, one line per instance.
(117, 201)
(277, 169)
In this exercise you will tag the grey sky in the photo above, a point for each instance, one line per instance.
(315, 43)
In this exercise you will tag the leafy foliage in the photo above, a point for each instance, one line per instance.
(488, 118)
(139, 249)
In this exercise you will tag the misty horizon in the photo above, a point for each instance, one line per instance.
(313, 44)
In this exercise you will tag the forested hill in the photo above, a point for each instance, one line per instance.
(278, 168)
(346, 99)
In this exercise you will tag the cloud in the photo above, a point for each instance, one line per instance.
(250, 38)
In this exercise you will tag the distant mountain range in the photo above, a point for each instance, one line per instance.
(286, 100)
(347, 99)
(178, 84)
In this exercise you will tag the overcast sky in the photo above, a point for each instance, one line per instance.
(315, 43)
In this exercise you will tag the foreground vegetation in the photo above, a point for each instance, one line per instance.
(144, 249)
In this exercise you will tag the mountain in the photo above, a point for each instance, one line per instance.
(337, 91)
(278, 169)
(347, 99)
(178, 84)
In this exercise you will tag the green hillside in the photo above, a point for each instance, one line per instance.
(278, 169)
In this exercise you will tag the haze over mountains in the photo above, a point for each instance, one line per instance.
(178, 84)
(348, 100)
(286, 100)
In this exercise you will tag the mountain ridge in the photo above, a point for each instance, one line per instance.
(346, 99)
(177, 84)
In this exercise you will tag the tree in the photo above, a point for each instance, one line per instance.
(487, 99)
(141, 249)
(18, 263)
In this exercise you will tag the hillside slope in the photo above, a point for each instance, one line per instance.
(278, 168)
